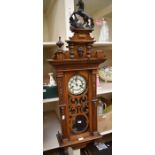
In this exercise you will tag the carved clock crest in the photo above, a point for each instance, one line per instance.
(76, 71)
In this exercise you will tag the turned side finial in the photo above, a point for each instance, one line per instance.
(59, 53)
(60, 43)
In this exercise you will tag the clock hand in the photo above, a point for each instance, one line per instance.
(76, 79)
(81, 86)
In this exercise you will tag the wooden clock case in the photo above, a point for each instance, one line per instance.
(78, 113)
(81, 60)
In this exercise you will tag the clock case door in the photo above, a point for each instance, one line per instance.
(79, 108)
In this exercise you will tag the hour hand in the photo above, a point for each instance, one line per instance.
(72, 86)
(81, 86)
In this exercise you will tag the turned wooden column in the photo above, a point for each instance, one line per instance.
(94, 101)
(62, 105)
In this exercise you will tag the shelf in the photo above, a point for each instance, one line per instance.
(49, 44)
(105, 123)
(102, 44)
(52, 126)
(104, 89)
(50, 100)
(96, 44)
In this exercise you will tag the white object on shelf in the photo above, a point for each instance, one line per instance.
(105, 73)
(51, 81)
(100, 108)
(98, 81)
(104, 32)
(101, 146)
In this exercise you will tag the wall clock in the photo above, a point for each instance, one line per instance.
(76, 71)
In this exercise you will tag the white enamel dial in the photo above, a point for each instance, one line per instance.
(76, 85)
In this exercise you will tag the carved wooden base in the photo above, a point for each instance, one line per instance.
(77, 144)
(95, 133)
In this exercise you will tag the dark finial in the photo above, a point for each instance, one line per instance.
(75, 18)
(81, 5)
(59, 43)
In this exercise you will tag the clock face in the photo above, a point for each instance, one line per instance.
(76, 85)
